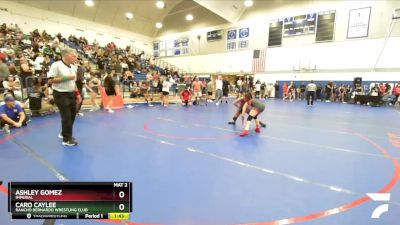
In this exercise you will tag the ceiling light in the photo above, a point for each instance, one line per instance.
(129, 15)
(159, 25)
(189, 17)
(89, 3)
(248, 3)
(160, 4)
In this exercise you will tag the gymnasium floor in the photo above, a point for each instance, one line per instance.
(309, 166)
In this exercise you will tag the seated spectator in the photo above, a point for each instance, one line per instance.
(38, 64)
(375, 90)
(13, 86)
(135, 91)
(12, 68)
(11, 115)
(128, 79)
(36, 105)
(4, 71)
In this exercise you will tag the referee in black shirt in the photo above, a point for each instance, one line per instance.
(62, 76)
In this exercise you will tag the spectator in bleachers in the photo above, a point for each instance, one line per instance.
(47, 61)
(145, 91)
(124, 65)
(48, 51)
(35, 97)
(128, 79)
(8, 51)
(12, 68)
(38, 64)
(135, 91)
(13, 86)
(26, 71)
(11, 115)
(4, 71)
(101, 64)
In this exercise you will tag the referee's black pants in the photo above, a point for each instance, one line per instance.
(310, 97)
(66, 104)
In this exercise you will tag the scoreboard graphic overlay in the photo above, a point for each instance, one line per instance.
(70, 200)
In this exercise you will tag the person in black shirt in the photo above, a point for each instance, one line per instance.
(319, 90)
(328, 91)
(348, 93)
(302, 90)
(109, 86)
(276, 90)
(225, 89)
(101, 64)
(342, 93)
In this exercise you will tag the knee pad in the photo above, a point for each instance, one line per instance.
(249, 118)
(255, 117)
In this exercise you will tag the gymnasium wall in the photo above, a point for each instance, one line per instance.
(341, 55)
(28, 18)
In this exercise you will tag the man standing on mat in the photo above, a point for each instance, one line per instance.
(62, 76)
(311, 90)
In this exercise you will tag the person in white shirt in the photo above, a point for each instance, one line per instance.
(62, 77)
(311, 89)
(239, 84)
(38, 64)
(13, 86)
(166, 85)
(257, 89)
(218, 89)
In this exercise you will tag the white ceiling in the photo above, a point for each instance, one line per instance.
(231, 10)
(146, 14)
(110, 12)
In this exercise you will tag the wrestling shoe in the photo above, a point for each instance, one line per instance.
(6, 129)
(244, 133)
(257, 130)
(70, 142)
